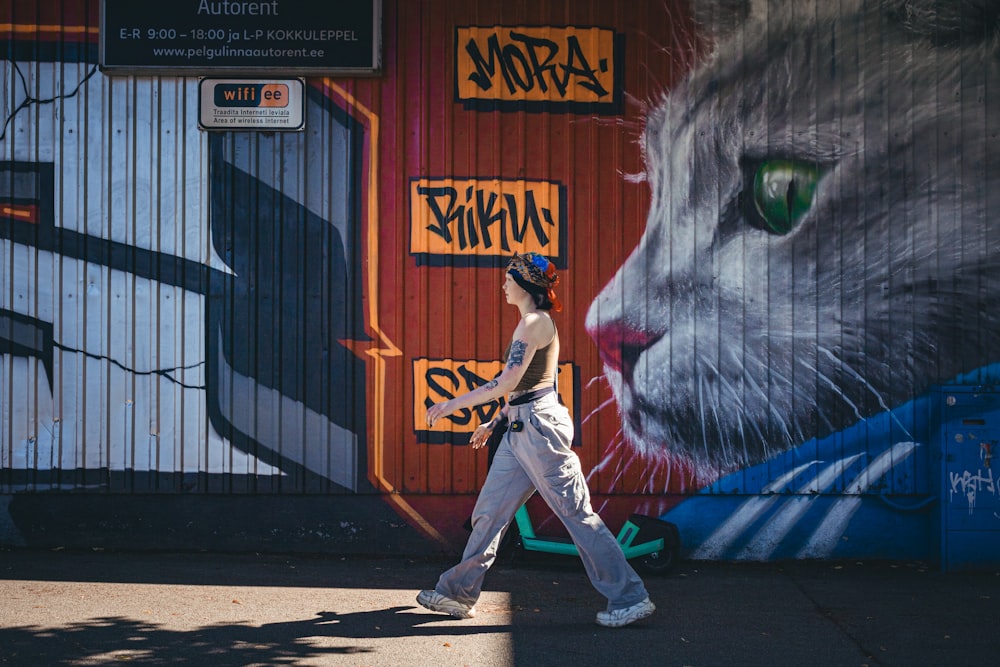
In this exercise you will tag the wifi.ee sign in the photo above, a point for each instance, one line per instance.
(251, 95)
(243, 104)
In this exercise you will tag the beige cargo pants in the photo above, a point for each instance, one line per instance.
(536, 454)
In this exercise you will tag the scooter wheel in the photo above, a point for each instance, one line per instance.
(658, 562)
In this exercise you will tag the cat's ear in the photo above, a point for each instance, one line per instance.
(958, 23)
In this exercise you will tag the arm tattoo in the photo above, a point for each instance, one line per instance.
(516, 357)
(490, 385)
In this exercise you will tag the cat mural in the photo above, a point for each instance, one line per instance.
(820, 252)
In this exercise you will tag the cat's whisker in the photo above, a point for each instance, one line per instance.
(647, 486)
(596, 378)
(741, 429)
(669, 474)
(762, 397)
(724, 440)
(610, 401)
(779, 419)
(701, 418)
(616, 479)
(794, 429)
(821, 411)
(621, 468)
(687, 54)
(829, 382)
(611, 453)
(631, 127)
(642, 106)
(590, 383)
(742, 416)
(738, 409)
(868, 385)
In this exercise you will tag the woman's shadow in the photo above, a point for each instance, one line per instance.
(285, 642)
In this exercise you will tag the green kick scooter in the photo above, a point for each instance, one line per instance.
(651, 544)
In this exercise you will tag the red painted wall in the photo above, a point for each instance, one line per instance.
(447, 312)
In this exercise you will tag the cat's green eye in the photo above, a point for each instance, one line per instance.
(782, 193)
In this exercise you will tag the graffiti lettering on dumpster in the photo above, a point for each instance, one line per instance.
(970, 485)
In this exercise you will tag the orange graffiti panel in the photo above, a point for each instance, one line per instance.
(475, 217)
(437, 380)
(536, 64)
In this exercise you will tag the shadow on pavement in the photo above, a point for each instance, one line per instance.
(117, 639)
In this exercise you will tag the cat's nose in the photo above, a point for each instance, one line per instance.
(621, 345)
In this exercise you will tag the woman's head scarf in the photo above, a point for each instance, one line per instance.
(536, 275)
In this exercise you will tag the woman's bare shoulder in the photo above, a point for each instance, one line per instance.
(537, 325)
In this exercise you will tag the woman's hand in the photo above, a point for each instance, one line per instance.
(482, 434)
(437, 411)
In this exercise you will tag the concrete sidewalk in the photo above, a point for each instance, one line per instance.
(91, 608)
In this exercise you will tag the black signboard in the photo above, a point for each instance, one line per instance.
(301, 37)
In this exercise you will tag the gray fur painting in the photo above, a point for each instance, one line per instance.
(820, 245)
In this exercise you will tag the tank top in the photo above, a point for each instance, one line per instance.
(541, 370)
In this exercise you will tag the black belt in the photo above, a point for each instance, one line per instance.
(531, 396)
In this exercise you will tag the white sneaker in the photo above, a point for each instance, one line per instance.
(620, 617)
(436, 602)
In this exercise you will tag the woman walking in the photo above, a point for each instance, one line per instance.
(535, 454)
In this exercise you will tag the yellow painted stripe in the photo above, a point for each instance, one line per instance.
(387, 347)
(29, 28)
(27, 213)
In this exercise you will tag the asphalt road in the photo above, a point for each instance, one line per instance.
(97, 608)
